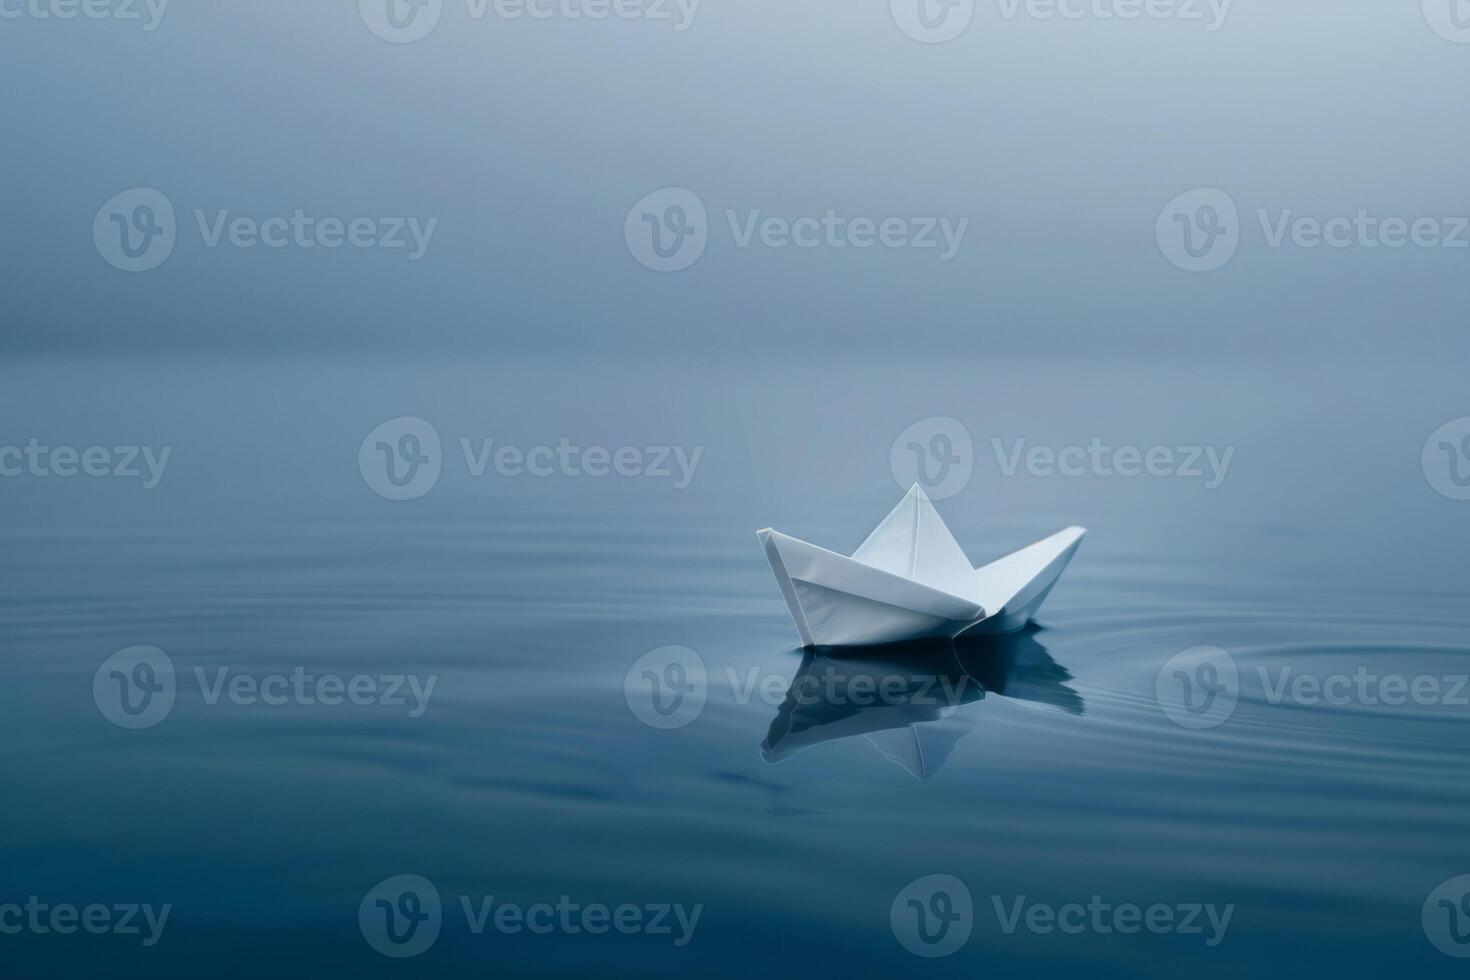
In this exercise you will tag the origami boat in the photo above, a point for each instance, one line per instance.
(910, 580)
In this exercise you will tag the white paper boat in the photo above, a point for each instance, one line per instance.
(911, 580)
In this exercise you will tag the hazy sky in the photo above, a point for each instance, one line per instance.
(1047, 147)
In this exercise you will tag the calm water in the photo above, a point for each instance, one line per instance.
(1053, 776)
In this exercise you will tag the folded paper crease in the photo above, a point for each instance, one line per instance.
(910, 579)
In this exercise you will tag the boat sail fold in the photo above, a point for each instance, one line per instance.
(909, 580)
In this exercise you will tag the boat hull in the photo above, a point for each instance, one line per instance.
(836, 601)
(902, 584)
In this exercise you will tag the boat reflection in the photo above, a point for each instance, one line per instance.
(905, 698)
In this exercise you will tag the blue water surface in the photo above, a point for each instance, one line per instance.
(1052, 774)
